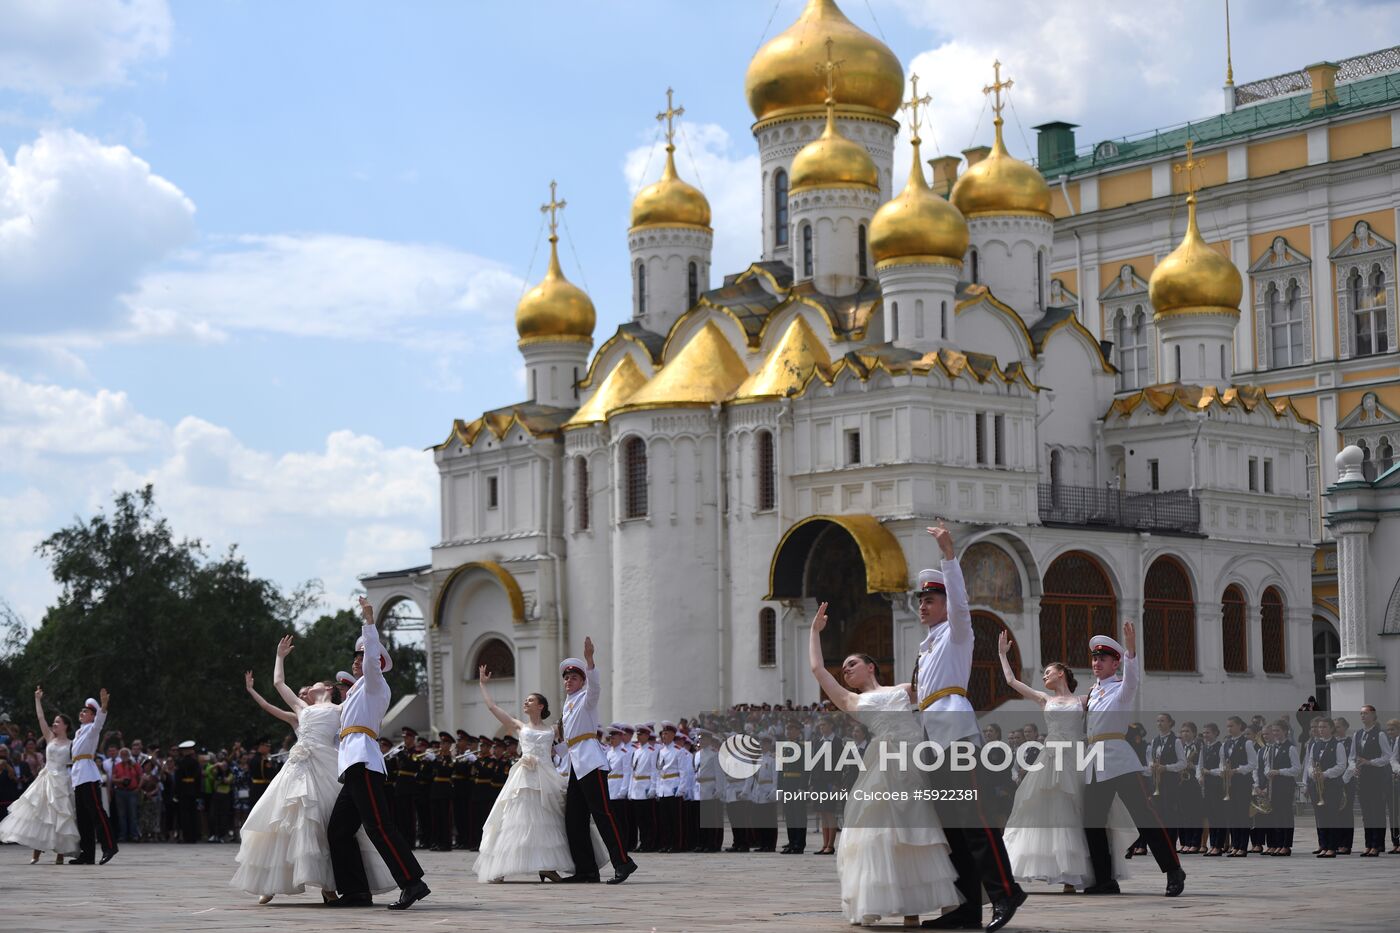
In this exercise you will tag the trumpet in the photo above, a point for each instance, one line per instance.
(1318, 780)
(1192, 757)
(1229, 775)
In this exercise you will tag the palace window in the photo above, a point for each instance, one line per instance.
(1040, 280)
(979, 437)
(634, 475)
(974, 271)
(780, 208)
(1077, 603)
(1154, 475)
(894, 321)
(493, 491)
(641, 288)
(1365, 274)
(1168, 618)
(1233, 630)
(853, 447)
(860, 252)
(1272, 631)
(807, 250)
(693, 284)
(767, 486)
(1282, 287)
(767, 637)
(1131, 331)
(1285, 314)
(582, 515)
(943, 320)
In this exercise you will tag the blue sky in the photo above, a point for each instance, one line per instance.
(261, 254)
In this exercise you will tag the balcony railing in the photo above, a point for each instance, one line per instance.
(1177, 510)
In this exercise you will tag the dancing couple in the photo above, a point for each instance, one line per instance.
(44, 818)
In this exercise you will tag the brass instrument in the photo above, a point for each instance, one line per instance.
(1157, 773)
(1319, 781)
(1229, 775)
(1193, 756)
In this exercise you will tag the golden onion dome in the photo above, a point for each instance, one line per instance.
(555, 309)
(1001, 184)
(670, 202)
(783, 77)
(833, 161)
(1195, 279)
(917, 225)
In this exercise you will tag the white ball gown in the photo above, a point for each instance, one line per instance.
(892, 857)
(284, 846)
(44, 817)
(1045, 832)
(524, 833)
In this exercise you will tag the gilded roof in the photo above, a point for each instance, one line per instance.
(1161, 399)
(535, 420)
(705, 371)
(621, 384)
(786, 371)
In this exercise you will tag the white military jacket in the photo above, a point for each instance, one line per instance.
(709, 779)
(644, 773)
(365, 705)
(1109, 715)
(945, 664)
(85, 743)
(619, 772)
(668, 763)
(586, 753)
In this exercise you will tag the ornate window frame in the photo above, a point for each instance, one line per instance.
(1279, 265)
(1371, 423)
(1362, 249)
(1124, 295)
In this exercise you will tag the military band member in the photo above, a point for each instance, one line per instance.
(709, 788)
(1166, 758)
(1238, 760)
(792, 782)
(93, 824)
(1210, 772)
(1119, 775)
(1326, 764)
(1279, 770)
(620, 776)
(1189, 805)
(387, 750)
(463, 770)
(261, 769)
(1392, 732)
(939, 687)
(406, 768)
(1346, 829)
(187, 778)
(1370, 761)
(641, 795)
(440, 795)
(481, 792)
(421, 801)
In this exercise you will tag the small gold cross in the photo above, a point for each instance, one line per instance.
(1189, 166)
(914, 103)
(553, 208)
(996, 87)
(669, 115)
(828, 68)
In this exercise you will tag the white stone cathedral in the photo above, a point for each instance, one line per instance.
(686, 491)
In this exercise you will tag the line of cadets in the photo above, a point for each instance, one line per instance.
(441, 794)
(1234, 794)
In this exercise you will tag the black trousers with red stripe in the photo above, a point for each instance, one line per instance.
(93, 823)
(974, 836)
(362, 803)
(1130, 788)
(587, 798)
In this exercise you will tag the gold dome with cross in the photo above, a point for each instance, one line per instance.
(670, 202)
(555, 309)
(1001, 183)
(1194, 278)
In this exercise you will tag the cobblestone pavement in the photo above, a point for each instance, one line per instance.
(185, 888)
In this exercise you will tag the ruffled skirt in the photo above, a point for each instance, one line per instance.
(524, 833)
(284, 845)
(44, 817)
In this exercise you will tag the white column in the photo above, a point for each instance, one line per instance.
(1353, 567)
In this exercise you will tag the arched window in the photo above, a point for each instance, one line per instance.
(1234, 633)
(1178, 362)
(986, 687)
(1077, 604)
(1368, 310)
(1055, 478)
(641, 288)
(693, 284)
(634, 477)
(1040, 280)
(918, 319)
(767, 637)
(1368, 466)
(894, 321)
(860, 252)
(1285, 316)
(1385, 457)
(582, 516)
(972, 264)
(780, 208)
(1271, 631)
(943, 320)
(498, 658)
(807, 250)
(1327, 648)
(1168, 618)
(1132, 349)
(767, 484)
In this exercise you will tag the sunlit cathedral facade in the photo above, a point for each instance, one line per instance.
(1116, 415)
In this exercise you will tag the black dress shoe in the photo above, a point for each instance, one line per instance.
(583, 878)
(107, 856)
(623, 872)
(351, 900)
(414, 892)
(1176, 882)
(1003, 910)
(1106, 887)
(960, 919)
(81, 861)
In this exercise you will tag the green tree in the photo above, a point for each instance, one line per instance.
(169, 631)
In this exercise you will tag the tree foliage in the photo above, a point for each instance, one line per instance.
(169, 631)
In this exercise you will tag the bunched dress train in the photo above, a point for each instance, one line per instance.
(44, 817)
(524, 833)
(284, 845)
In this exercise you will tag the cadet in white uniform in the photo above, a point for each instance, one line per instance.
(763, 795)
(641, 797)
(940, 680)
(709, 791)
(87, 784)
(620, 776)
(668, 810)
(588, 768)
(1120, 775)
(362, 801)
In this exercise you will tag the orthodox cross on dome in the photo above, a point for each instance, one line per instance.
(914, 103)
(828, 70)
(1187, 167)
(552, 209)
(996, 87)
(669, 115)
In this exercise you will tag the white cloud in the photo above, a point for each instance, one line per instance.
(342, 287)
(58, 47)
(729, 174)
(350, 506)
(79, 222)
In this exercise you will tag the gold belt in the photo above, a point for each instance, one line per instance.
(614, 776)
(579, 738)
(641, 777)
(446, 780)
(406, 773)
(940, 694)
(187, 780)
(674, 774)
(364, 730)
(792, 774)
(78, 758)
(1106, 737)
(260, 780)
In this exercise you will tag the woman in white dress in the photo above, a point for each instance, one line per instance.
(1045, 832)
(44, 817)
(892, 858)
(283, 844)
(524, 833)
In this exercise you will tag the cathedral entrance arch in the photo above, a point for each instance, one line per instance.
(476, 600)
(853, 563)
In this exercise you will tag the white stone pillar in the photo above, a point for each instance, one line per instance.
(1360, 677)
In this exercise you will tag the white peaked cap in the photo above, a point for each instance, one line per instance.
(93, 704)
(1103, 641)
(567, 663)
(344, 677)
(930, 580)
(386, 663)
